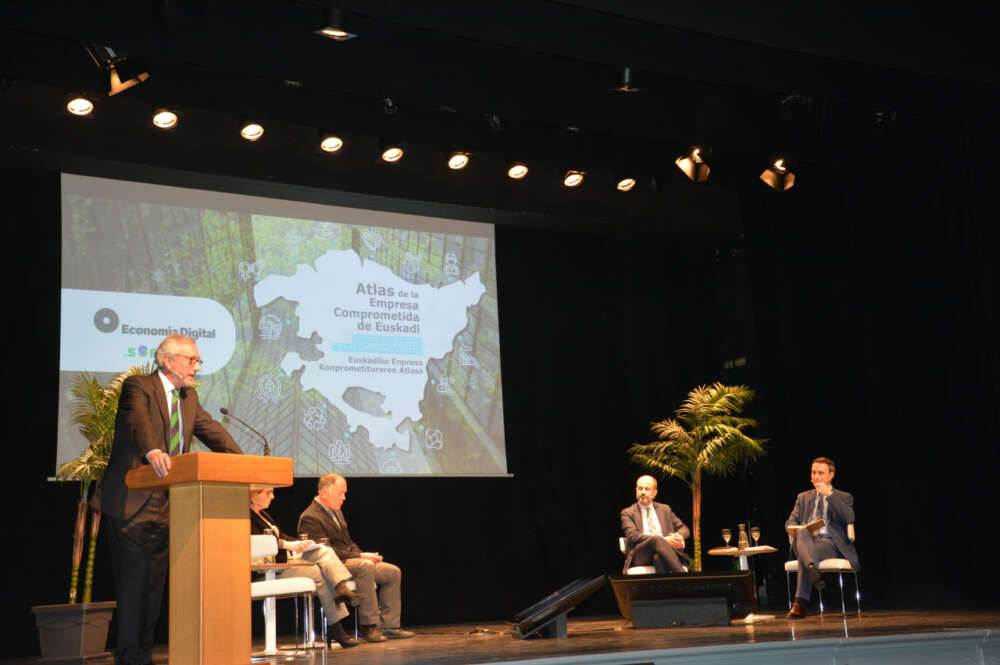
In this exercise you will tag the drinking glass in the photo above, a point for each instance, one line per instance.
(755, 534)
(727, 535)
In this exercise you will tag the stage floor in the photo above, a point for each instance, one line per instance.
(588, 637)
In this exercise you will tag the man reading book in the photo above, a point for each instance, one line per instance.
(835, 509)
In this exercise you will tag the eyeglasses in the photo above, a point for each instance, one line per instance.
(191, 360)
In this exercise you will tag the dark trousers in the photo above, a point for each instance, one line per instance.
(811, 549)
(139, 558)
(655, 550)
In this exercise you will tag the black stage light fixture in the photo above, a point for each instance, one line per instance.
(335, 27)
(389, 106)
(693, 164)
(778, 176)
(573, 178)
(251, 130)
(494, 122)
(626, 83)
(626, 183)
(79, 105)
(330, 141)
(117, 66)
(392, 151)
(458, 160)
(517, 170)
(165, 118)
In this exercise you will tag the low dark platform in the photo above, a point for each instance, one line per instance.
(874, 637)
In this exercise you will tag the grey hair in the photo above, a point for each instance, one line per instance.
(170, 346)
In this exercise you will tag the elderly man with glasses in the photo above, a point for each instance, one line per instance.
(157, 416)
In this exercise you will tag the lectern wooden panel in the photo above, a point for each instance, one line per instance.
(210, 550)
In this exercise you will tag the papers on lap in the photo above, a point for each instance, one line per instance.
(813, 526)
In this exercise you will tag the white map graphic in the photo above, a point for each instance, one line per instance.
(388, 362)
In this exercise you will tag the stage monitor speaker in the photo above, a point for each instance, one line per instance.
(673, 599)
(547, 617)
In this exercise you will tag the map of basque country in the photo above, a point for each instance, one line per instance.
(377, 332)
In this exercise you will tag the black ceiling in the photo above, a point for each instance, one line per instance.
(546, 69)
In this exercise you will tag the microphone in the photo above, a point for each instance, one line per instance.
(267, 448)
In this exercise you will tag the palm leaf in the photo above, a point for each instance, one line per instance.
(707, 437)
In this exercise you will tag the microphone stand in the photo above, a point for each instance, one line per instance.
(267, 448)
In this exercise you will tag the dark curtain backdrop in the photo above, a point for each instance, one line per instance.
(863, 300)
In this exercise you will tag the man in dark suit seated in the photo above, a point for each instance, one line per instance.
(653, 534)
(834, 507)
(157, 416)
(378, 582)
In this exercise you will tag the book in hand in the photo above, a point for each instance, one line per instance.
(813, 527)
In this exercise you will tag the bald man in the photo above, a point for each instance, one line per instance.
(654, 535)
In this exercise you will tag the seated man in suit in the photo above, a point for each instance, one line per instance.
(653, 534)
(377, 581)
(834, 507)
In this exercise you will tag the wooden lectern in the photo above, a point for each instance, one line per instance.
(210, 550)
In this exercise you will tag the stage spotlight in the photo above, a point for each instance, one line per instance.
(164, 118)
(252, 131)
(79, 105)
(116, 65)
(626, 84)
(458, 160)
(573, 178)
(392, 151)
(494, 122)
(517, 171)
(625, 184)
(389, 107)
(334, 27)
(331, 143)
(778, 177)
(693, 165)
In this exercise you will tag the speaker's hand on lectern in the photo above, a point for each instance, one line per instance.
(160, 461)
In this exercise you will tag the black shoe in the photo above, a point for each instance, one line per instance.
(345, 594)
(336, 632)
(815, 577)
(372, 634)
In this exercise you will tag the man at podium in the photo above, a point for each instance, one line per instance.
(157, 416)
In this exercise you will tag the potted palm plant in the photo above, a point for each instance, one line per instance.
(78, 629)
(707, 437)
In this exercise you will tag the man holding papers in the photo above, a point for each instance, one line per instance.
(378, 581)
(812, 542)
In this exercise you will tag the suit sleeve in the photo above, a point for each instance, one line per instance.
(210, 432)
(794, 518)
(136, 411)
(840, 506)
(679, 526)
(312, 523)
(631, 530)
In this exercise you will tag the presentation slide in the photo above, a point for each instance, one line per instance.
(359, 341)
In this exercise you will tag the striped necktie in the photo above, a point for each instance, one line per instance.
(175, 422)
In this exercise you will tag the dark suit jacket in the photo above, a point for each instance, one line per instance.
(839, 512)
(632, 527)
(316, 522)
(141, 425)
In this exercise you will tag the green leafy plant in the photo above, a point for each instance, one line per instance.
(707, 437)
(94, 410)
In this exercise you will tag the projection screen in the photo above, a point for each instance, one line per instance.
(358, 341)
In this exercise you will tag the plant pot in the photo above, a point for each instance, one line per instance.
(73, 632)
